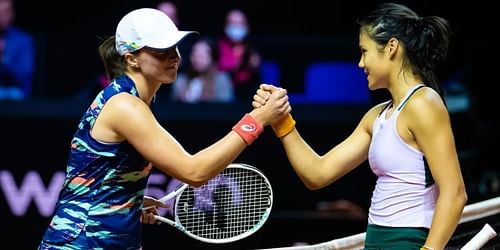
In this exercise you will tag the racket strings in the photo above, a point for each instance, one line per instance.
(229, 205)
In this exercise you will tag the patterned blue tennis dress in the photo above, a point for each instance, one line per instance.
(100, 203)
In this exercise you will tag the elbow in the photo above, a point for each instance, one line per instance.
(463, 198)
(188, 174)
(196, 184)
(459, 196)
(454, 192)
(195, 179)
(316, 181)
(312, 186)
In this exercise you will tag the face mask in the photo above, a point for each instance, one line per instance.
(236, 32)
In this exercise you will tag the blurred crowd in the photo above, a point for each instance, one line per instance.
(223, 68)
(17, 56)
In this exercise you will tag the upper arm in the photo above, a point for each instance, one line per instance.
(133, 120)
(430, 125)
(353, 151)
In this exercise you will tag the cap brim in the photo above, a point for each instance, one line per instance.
(181, 36)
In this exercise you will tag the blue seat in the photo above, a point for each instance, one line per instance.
(270, 72)
(333, 82)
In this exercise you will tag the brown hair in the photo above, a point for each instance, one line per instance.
(114, 64)
(425, 39)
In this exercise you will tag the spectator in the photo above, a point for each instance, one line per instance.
(237, 56)
(170, 9)
(202, 81)
(17, 56)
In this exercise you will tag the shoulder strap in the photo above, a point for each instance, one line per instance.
(407, 97)
(387, 105)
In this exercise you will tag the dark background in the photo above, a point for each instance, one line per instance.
(291, 33)
(35, 134)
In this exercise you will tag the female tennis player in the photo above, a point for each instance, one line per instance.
(118, 141)
(419, 195)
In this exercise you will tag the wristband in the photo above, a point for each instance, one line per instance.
(426, 248)
(248, 128)
(284, 126)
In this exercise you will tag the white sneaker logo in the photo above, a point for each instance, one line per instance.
(248, 127)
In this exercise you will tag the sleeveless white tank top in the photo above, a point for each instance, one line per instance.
(405, 194)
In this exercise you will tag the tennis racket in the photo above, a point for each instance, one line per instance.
(229, 207)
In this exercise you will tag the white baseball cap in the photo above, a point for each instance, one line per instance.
(147, 27)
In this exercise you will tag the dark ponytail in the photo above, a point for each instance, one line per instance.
(114, 64)
(425, 39)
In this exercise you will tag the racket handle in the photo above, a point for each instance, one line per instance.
(153, 206)
(481, 238)
(167, 197)
(148, 207)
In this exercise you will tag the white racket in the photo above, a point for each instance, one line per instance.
(229, 207)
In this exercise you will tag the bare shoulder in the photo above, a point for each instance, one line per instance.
(120, 113)
(372, 114)
(375, 111)
(125, 105)
(124, 111)
(426, 105)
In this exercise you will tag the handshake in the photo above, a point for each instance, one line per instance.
(276, 100)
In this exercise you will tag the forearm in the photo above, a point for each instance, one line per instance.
(210, 161)
(447, 214)
(304, 160)
(216, 157)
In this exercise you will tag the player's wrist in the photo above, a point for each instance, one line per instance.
(284, 126)
(248, 128)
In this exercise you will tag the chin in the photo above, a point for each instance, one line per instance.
(169, 79)
(371, 87)
(374, 86)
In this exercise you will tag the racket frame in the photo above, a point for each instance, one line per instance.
(177, 224)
